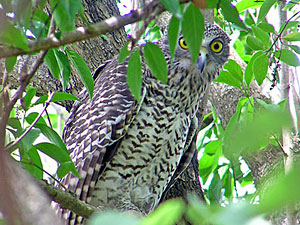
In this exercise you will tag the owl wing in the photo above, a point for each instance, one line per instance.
(95, 126)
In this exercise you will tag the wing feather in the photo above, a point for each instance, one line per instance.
(95, 127)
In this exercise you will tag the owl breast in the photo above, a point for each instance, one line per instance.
(145, 160)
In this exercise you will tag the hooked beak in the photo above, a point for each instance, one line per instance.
(201, 61)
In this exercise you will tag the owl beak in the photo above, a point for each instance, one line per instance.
(201, 61)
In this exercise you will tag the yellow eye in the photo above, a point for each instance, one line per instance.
(182, 43)
(216, 46)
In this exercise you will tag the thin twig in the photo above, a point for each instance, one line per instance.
(16, 142)
(52, 177)
(138, 33)
(280, 145)
(48, 118)
(25, 78)
(282, 30)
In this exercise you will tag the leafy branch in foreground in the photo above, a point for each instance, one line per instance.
(16, 142)
(84, 33)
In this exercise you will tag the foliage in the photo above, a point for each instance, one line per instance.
(227, 179)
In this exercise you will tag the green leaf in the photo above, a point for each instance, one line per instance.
(29, 138)
(255, 135)
(34, 156)
(61, 96)
(254, 43)
(26, 101)
(209, 161)
(246, 4)
(230, 132)
(26, 159)
(212, 4)
(214, 191)
(260, 68)
(57, 97)
(113, 218)
(64, 68)
(173, 7)
(203, 134)
(262, 35)
(228, 183)
(156, 61)
(226, 77)
(285, 188)
(246, 180)
(213, 147)
(14, 123)
(231, 14)
(23, 11)
(268, 106)
(289, 25)
(295, 36)
(192, 30)
(64, 13)
(41, 16)
(295, 48)
(134, 75)
(266, 27)
(10, 62)
(264, 9)
(249, 75)
(82, 70)
(154, 34)
(206, 165)
(288, 57)
(52, 63)
(249, 19)
(124, 53)
(54, 151)
(40, 23)
(235, 69)
(13, 36)
(52, 136)
(41, 100)
(65, 168)
(168, 213)
(236, 213)
(32, 116)
(173, 34)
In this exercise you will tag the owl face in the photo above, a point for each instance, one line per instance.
(213, 54)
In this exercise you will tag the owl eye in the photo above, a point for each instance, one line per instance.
(182, 43)
(216, 46)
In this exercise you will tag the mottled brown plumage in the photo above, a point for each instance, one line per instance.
(127, 152)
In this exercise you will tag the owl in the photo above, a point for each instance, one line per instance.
(125, 151)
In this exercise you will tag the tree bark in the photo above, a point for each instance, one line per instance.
(22, 201)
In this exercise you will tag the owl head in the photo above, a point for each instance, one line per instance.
(213, 53)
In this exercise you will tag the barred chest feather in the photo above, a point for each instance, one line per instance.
(138, 173)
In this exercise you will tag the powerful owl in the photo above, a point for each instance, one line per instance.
(126, 151)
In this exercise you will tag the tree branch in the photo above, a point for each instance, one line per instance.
(8, 104)
(67, 200)
(84, 33)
